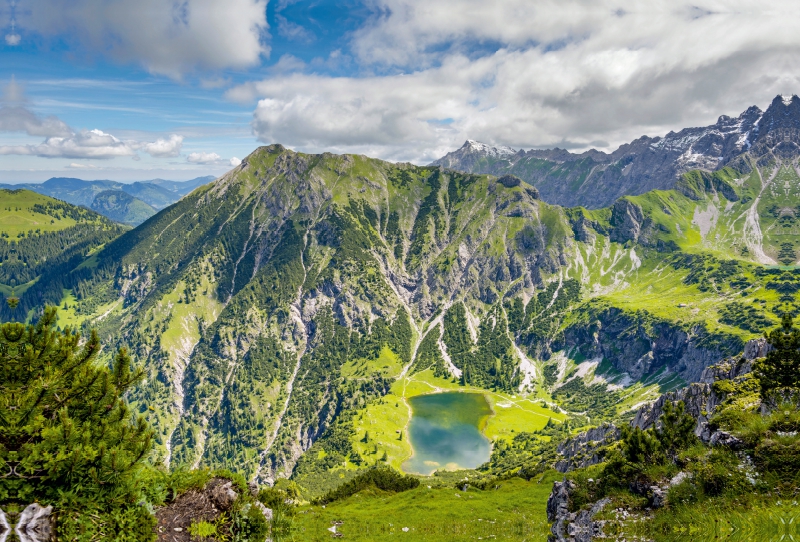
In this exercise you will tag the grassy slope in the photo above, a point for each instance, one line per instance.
(631, 277)
(515, 511)
(17, 214)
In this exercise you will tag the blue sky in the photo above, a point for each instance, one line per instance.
(181, 88)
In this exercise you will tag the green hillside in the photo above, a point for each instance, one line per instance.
(285, 315)
(24, 211)
(276, 308)
(44, 238)
(122, 207)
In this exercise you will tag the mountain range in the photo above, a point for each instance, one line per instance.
(279, 309)
(595, 179)
(126, 203)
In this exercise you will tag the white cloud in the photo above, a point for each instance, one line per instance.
(293, 31)
(61, 141)
(95, 144)
(20, 119)
(83, 144)
(528, 74)
(74, 165)
(167, 37)
(211, 159)
(13, 39)
(204, 158)
(164, 147)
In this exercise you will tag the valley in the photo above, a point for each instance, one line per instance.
(308, 318)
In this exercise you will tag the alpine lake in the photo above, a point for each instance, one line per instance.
(446, 432)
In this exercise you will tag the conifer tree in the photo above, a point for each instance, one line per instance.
(66, 435)
(779, 373)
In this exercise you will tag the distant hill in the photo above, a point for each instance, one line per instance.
(121, 207)
(41, 236)
(182, 187)
(151, 196)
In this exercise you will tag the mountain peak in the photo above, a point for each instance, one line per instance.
(477, 146)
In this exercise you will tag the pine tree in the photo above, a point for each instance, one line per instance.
(677, 428)
(66, 435)
(779, 373)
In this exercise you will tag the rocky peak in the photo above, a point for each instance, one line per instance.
(781, 113)
(471, 145)
(645, 163)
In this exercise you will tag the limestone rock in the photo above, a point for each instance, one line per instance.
(35, 524)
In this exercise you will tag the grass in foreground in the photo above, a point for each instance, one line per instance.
(514, 511)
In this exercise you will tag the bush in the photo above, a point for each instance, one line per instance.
(383, 478)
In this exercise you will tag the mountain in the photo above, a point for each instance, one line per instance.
(121, 207)
(595, 179)
(182, 187)
(149, 196)
(41, 240)
(276, 307)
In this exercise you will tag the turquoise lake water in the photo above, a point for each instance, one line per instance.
(446, 432)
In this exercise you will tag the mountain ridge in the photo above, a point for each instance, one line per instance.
(595, 179)
(149, 196)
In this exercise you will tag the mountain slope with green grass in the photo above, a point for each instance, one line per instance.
(41, 240)
(278, 309)
(121, 207)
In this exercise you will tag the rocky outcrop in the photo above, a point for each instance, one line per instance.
(585, 449)
(639, 345)
(699, 398)
(572, 526)
(627, 220)
(35, 524)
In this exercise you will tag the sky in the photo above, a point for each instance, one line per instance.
(134, 90)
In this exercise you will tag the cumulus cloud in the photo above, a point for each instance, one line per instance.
(204, 158)
(211, 159)
(13, 39)
(532, 74)
(164, 147)
(83, 144)
(181, 35)
(61, 141)
(91, 144)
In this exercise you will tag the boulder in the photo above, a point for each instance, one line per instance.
(723, 438)
(659, 498)
(35, 524)
(223, 495)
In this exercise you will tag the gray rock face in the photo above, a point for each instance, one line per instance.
(627, 220)
(583, 449)
(637, 347)
(757, 348)
(5, 527)
(723, 438)
(558, 501)
(596, 179)
(570, 526)
(35, 524)
(700, 400)
(659, 498)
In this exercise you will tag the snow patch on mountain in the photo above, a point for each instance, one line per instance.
(488, 150)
